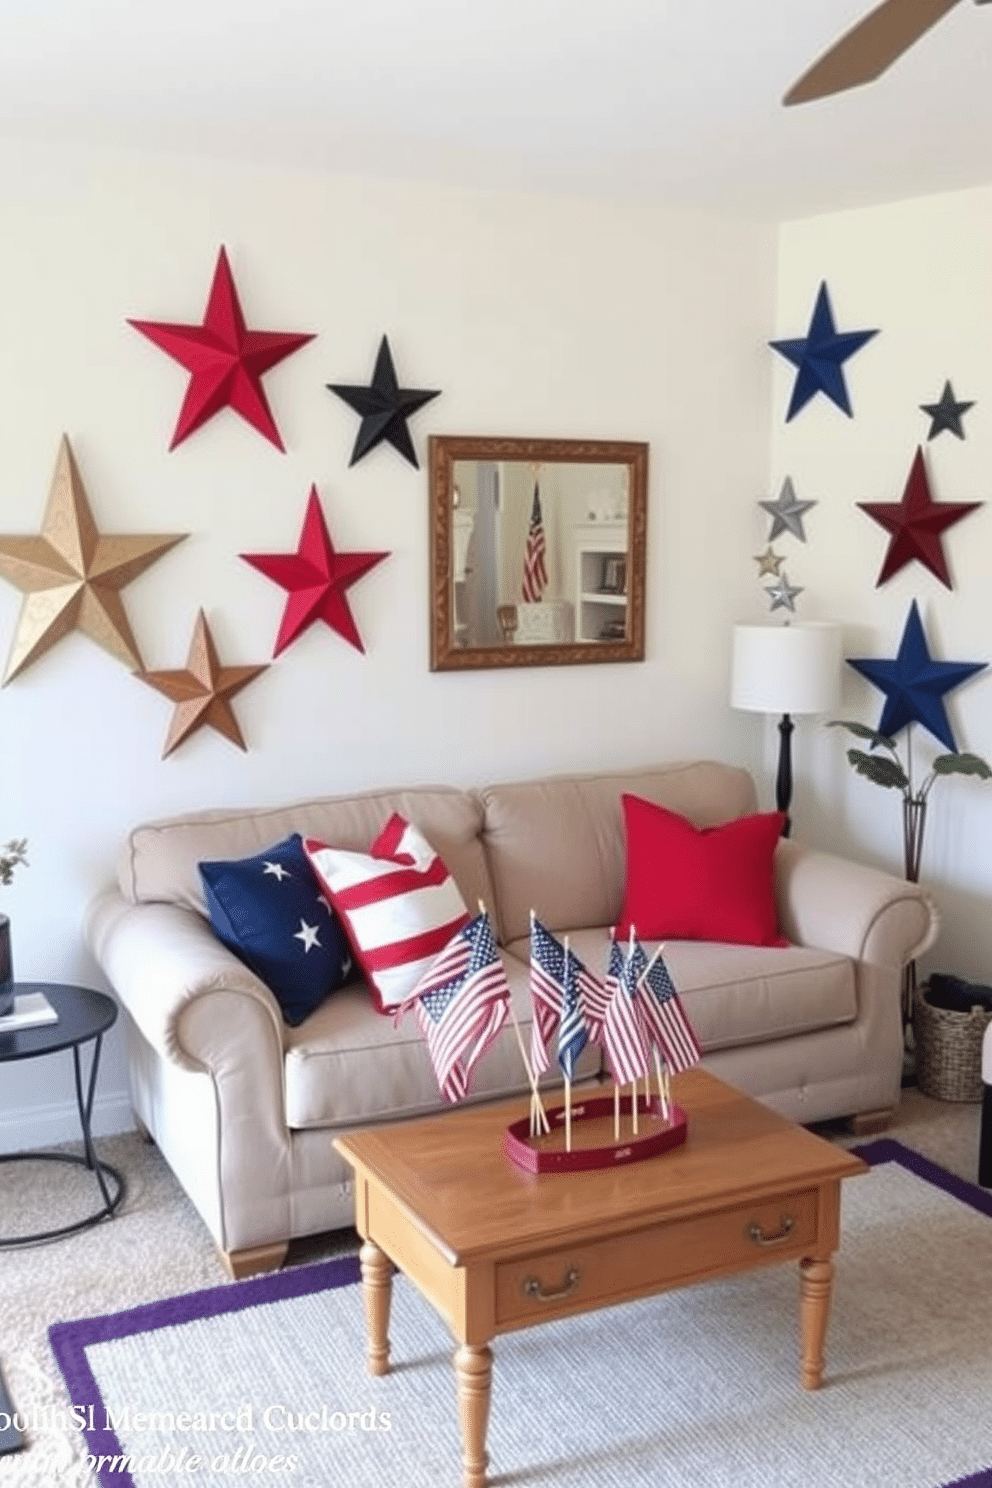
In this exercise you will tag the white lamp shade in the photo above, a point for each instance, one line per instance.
(786, 668)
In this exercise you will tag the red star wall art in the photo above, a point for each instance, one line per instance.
(916, 523)
(226, 362)
(317, 578)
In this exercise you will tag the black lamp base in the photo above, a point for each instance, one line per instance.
(783, 780)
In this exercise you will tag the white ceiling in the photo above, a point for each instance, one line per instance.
(677, 100)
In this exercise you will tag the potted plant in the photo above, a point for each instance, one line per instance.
(11, 854)
(888, 770)
(948, 1038)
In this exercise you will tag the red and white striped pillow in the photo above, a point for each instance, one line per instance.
(398, 904)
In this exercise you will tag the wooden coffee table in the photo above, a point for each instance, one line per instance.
(495, 1248)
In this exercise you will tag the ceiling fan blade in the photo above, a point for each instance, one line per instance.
(864, 52)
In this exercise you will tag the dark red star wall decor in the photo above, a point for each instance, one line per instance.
(916, 524)
(317, 578)
(225, 360)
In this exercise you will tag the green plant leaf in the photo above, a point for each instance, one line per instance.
(864, 732)
(879, 769)
(961, 764)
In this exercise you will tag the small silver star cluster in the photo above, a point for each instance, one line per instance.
(787, 516)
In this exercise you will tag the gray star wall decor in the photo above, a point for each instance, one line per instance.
(787, 512)
(782, 594)
(946, 413)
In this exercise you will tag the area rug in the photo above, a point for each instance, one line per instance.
(265, 1380)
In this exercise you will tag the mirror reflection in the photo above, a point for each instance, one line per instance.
(537, 551)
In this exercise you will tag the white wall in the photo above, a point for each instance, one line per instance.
(564, 318)
(920, 272)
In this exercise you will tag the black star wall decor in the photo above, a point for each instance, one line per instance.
(946, 413)
(819, 357)
(384, 407)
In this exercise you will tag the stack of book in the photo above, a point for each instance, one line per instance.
(30, 1009)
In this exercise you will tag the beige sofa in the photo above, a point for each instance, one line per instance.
(244, 1108)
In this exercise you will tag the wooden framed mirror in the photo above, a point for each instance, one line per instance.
(497, 505)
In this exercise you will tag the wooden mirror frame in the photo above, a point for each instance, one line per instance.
(445, 450)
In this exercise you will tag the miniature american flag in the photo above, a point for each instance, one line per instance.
(625, 1047)
(535, 568)
(547, 990)
(664, 1017)
(461, 1003)
(572, 1034)
(547, 987)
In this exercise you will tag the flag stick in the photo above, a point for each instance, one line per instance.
(616, 1111)
(538, 1115)
(633, 1088)
(568, 1114)
(662, 1093)
(539, 1118)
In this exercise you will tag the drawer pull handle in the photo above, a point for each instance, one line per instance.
(758, 1235)
(532, 1286)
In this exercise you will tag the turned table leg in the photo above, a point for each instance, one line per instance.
(474, 1372)
(377, 1289)
(816, 1282)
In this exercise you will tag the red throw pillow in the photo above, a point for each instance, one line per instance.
(691, 883)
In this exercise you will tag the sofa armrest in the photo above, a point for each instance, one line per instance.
(839, 905)
(177, 982)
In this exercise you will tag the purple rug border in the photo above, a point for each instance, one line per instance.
(69, 1340)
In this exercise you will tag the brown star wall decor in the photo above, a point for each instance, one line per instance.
(203, 691)
(71, 575)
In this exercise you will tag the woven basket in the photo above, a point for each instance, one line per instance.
(948, 1050)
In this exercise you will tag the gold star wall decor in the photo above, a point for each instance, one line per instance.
(203, 692)
(769, 562)
(71, 575)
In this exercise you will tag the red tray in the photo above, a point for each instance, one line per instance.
(592, 1136)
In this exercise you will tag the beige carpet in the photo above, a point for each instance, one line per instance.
(157, 1247)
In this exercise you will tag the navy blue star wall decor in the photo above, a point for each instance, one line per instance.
(946, 413)
(915, 685)
(384, 407)
(819, 357)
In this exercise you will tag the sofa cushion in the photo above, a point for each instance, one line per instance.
(398, 903)
(556, 846)
(270, 911)
(159, 859)
(736, 995)
(700, 883)
(347, 1065)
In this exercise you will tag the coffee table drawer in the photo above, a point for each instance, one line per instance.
(571, 1278)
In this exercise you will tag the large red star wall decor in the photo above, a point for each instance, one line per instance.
(916, 524)
(317, 579)
(225, 360)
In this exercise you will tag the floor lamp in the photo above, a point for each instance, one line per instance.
(786, 669)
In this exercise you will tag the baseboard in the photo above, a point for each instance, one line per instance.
(51, 1125)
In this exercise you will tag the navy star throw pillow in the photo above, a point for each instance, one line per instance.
(271, 912)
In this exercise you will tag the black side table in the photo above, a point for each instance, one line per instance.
(83, 1017)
